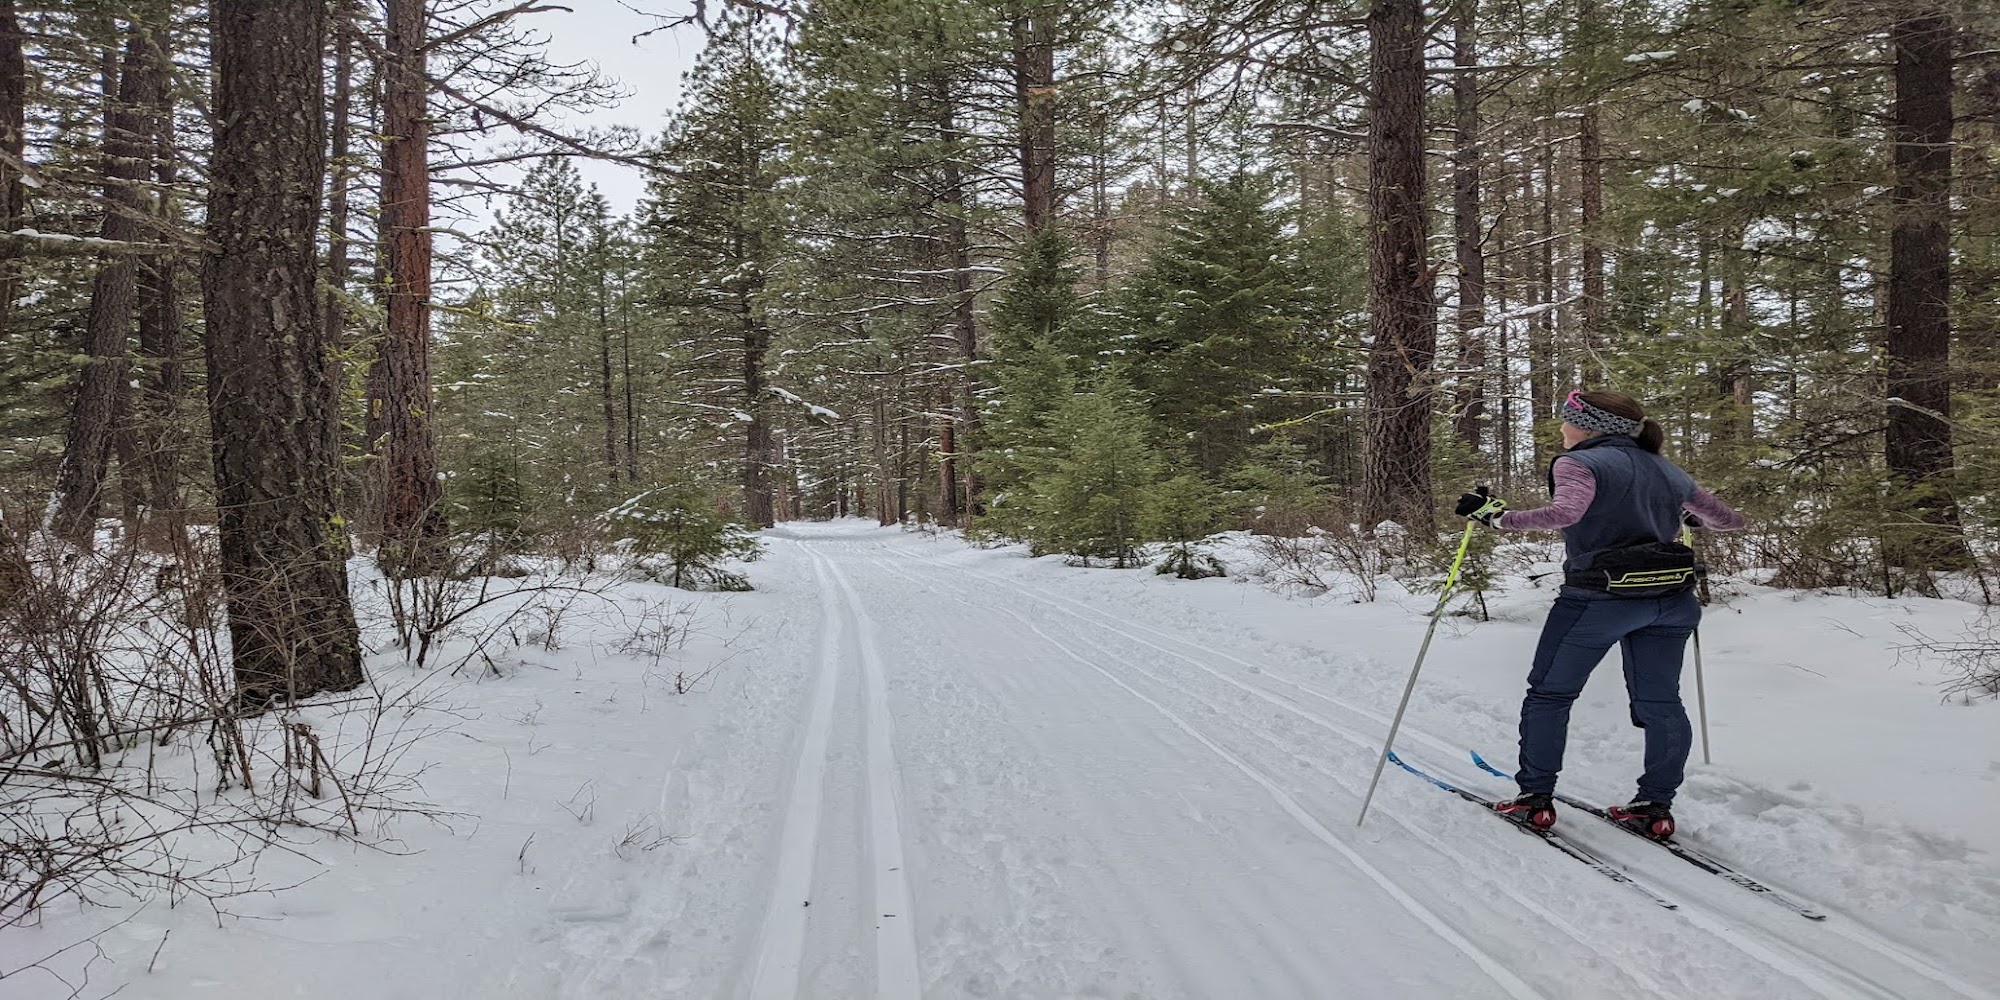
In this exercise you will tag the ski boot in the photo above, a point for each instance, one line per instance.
(1535, 809)
(1648, 819)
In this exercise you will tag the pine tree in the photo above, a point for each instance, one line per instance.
(274, 410)
(1183, 512)
(1090, 501)
(711, 231)
(1210, 327)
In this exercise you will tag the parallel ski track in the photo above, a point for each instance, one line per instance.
(896, 974)
(1717, 923)
(1501, 975)
(782, 943)
(1494, 969)
(1771, 954)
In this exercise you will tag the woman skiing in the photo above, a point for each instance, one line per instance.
(1627, 582)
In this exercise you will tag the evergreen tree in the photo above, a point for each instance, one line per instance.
(1182, 512)
(529, 361)
(711, 229)
(1210, 327)
(1089, 502)
(1279, 489)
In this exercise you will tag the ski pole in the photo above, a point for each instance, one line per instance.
(1450, 582)
(1700, 691)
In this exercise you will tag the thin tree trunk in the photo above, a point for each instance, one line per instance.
(1590, 192)
(884, 478)
(631, 399)
(947, 467)
(1734, 423)
(757, 506)
(274, 410)
(13, 147)
(958, 459)
(1468, 228)
(605, 387)
(1396, 481)
(1540, 262)
(162, 328)
(1035, 97)
(1919, 439)
(413, 523)
(108, 321)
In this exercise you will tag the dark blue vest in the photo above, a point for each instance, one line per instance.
(1639, 499)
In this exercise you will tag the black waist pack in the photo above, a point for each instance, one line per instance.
(1651, 569)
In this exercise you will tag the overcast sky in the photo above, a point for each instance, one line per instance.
(601, 31)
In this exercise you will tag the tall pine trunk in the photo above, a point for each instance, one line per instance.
(957, 468)
(100, 386)
(273, 408)
(606, 389)
(1468, 232)
(1035, 98)
(13, 147)
(1919, 439)
(1396, 472)
(631, 396)
(1590, 192)
(162, 332)
(413, 523)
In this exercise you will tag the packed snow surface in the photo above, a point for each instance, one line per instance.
(926, 769)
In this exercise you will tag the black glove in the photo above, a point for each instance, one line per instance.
(1481, 506)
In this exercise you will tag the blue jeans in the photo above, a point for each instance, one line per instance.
(1652, 633)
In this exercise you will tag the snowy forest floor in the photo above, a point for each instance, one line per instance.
(922, 768)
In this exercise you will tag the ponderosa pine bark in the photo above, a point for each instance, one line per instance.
(1396, 472)
(107, 328)
(1918, 443)
(273, 405)
(413, 521)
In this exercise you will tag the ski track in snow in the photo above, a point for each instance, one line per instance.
(893, 910)
(781, 947)
(932, 771)
(1781, 951)
(1800, 971)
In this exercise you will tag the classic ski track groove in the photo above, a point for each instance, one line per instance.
(782, 942)
(896, 972)
(1853, 932)
(1713, 921)
(1311, 824)
(1500, 974)
(1717, 925)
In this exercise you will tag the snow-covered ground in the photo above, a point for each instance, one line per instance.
(924, 769)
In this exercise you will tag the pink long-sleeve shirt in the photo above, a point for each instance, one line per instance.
(1576, 488)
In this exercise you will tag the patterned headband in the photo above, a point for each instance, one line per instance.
(1576, 411)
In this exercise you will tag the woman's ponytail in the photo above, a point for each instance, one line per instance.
(1652, 436)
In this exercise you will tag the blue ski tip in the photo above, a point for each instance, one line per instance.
(1480, 762)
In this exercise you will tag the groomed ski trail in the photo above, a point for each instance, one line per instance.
(1775, 946)
(890, 915)
(782, 943)
(1137, 825)
(1775, 956)
(1634, 972)
(896, 975)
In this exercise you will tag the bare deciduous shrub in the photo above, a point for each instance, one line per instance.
(1319, 561)
(465, 605)
(128, 764)
(1973, 658)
